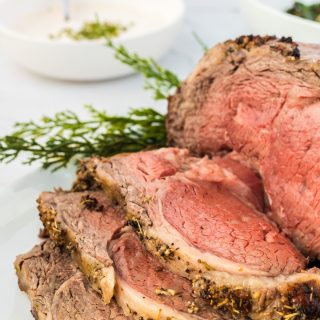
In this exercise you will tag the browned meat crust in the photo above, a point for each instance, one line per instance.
(58, 290)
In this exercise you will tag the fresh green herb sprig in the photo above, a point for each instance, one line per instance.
(57, 140)
(310, 12)
(161, 81)
(200, 41)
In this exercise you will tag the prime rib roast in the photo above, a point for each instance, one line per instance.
(95, 234)
(189, 213)
(209, 228)
(73, 219)
(58, 289)
(164, 190)
(260, 97)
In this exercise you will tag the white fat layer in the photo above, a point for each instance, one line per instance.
(107, 284)
(105, 281)
(189, 259)
(219, 270)
(132, 301)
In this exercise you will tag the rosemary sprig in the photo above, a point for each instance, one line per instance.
(158, 79)
(200, 41)
(57, 140)
(310, 12)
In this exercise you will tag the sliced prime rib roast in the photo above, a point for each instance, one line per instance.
(185, 214)
(73, 219)
(145, 287)
(179, 199)
(142, 286)
(260, 97)
(58, 290)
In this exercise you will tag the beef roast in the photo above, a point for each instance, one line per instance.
(260, 96)
(184, 202)
(139, 275)
(85, 222)
(57, 289)
(146, 288)
(164, 200)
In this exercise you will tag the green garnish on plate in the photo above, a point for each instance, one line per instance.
(93, 30)
(310, 12)
(57, 140)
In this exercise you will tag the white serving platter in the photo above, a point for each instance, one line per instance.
(269, 17)
(19, 229)
(25, 27)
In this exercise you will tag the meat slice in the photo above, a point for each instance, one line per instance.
(260, 96)
(138, 274)
(145, 285)
(85, 222)
(185, 204)
(58, 290)
(147, 288)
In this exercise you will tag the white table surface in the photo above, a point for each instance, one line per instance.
(25, 96)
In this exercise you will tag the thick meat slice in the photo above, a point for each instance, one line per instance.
(186, 203)
(138, 274)
(85, 222)
(147, 288)
(260, 96)
(58, 290)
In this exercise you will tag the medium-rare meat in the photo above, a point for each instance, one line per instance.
(184, 202)
(164, 200)
(260, 96)
(58, 290)
(147, 289)
(143, 286)
(85, 222)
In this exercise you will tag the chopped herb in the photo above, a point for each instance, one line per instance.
(91, 31)
(57, 140)
(164, 251)
(161, 81)
(91, 203)
(310, 12)
(165, 292)
(192, 307)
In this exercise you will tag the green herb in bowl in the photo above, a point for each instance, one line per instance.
(310, 12)
(91, 31)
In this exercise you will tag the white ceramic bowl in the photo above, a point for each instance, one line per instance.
(25, 25)
(269, 17)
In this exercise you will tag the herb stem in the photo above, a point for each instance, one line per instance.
(161, 81)
(58, 140)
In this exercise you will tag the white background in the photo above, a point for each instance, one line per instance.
(24, 96)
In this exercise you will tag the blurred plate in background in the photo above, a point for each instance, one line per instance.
(25, 27)
(270, 17)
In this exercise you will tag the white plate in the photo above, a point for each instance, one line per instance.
(19, 227)
(269, 17)
(25, 27)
